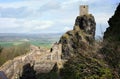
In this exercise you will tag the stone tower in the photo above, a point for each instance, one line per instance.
(83, 10)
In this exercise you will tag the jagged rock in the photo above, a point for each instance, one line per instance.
(86, 23)
(111, 47)
(113, 32)
(83, 33)
(112, 40)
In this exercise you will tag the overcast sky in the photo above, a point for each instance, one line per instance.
(51, 16)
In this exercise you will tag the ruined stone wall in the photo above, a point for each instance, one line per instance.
(43, 61)
(56, 51)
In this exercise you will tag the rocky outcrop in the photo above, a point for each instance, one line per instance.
(79, 47)
(86, 23)
(82, 34)
(113, 31)
(111, 47)
(112, 40)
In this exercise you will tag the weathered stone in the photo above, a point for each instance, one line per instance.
(86, 23)
(83, 33)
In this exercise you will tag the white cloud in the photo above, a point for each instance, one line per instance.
(55, 5)
(102, 18)
(15, 12)
(80, 2)
(22, 25)
(37, 25)
(26, 3)
(40, 15)
(8, 23)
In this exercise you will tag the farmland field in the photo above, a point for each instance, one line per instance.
(41, 40)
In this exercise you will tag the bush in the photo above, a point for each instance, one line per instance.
(83, 67)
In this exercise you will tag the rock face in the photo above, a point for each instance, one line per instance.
(86, 23)
(112, 40)
(111, 49)
(83, 33)
(113, 32)
(79, 47)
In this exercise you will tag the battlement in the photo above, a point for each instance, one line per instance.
(83, 10)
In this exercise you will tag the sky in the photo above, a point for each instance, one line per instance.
(51, 16)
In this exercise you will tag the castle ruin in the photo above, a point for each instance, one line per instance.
(83, 10)
(57, 51)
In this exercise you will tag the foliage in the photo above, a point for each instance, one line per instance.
(82, 67)
(1, 48)
(9, 53)
(86, 63)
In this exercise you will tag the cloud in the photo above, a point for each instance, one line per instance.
(21, 25)
(78, 2)
(28, 8)
(55, 5)
(8, 23)
(23, 3)
(15, 12)
(49, 15)
(36, 25)
(102, 18)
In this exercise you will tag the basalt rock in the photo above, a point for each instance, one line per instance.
(82, 34)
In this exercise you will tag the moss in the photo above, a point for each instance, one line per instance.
(107, 73)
